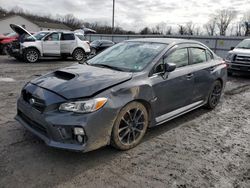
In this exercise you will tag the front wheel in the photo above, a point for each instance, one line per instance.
(31, 55)
(130, 126)
(215, 94)
(78, 54)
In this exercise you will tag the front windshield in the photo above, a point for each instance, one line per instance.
(244, 44)
(129, 56)
(38, 35)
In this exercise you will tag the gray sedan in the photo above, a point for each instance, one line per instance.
(114, 97)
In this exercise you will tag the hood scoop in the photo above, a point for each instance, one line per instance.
(64, 75)
(80, 81)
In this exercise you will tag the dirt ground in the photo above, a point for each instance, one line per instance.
(200, 149)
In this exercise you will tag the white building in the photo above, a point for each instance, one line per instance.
(30, 25)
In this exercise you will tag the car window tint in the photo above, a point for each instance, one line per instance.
(209, 55)
(179, 57)
(199, 55)
(68, 36)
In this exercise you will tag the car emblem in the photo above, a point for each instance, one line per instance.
(32, 101)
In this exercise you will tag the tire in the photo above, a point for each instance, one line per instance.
(31, 55)
(130, 126)
(214, 95)
(78, 54)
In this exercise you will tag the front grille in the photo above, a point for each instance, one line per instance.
(33, 124)
(35, 102)
(243, 59)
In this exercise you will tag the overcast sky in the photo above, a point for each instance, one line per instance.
(132, 14)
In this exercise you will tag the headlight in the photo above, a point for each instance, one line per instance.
(229, 56)
(84, 106)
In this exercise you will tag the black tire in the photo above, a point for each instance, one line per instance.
(78, 54)
(31, 55)
(214, 95)
(130, 126)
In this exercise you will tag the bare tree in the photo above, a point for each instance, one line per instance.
(210, 25)
(190, 27)
(246, 23)
(145, 31)
(182, 30)
(169, 30)
(224, 18)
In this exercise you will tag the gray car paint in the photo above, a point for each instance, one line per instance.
(165, 96)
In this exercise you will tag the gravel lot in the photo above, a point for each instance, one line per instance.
(200, 149)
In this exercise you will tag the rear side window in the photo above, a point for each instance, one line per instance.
(198, 55)
(68, 36)
(179, 57)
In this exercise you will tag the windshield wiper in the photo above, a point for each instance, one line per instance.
(108, 66)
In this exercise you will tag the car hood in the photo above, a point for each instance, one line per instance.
(241, 51)
(79, 81)
(20, 30)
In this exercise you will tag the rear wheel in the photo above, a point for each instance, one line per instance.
(78, 54)
(215, 94)
(31, 55)
(130, 126)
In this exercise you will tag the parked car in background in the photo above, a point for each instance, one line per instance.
(48, 44)
(98, 46)
(238, 59)
(115, 96)
(5, 41)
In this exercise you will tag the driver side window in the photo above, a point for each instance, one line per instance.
(178, 57)
(52, 37)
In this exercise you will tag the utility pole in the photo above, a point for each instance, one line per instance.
(113, 17)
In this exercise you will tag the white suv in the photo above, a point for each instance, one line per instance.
(48, 44)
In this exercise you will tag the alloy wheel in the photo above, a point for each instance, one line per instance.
(32, 56)
(131, 126)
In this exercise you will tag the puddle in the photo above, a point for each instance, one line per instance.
(6, 79)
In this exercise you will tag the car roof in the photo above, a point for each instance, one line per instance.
(164, 40)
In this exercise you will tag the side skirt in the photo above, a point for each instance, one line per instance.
(183, 110)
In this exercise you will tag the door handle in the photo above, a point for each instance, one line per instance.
(189, 76)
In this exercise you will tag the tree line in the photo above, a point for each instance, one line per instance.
(222, 22)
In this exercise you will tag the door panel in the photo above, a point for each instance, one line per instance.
(51, 44)
(68, 43)
(174, 92)
(203, 77)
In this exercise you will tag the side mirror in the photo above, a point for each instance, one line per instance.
(231, 48)
(170, 67)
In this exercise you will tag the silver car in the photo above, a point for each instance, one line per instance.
(238, 59)
(114, 97)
